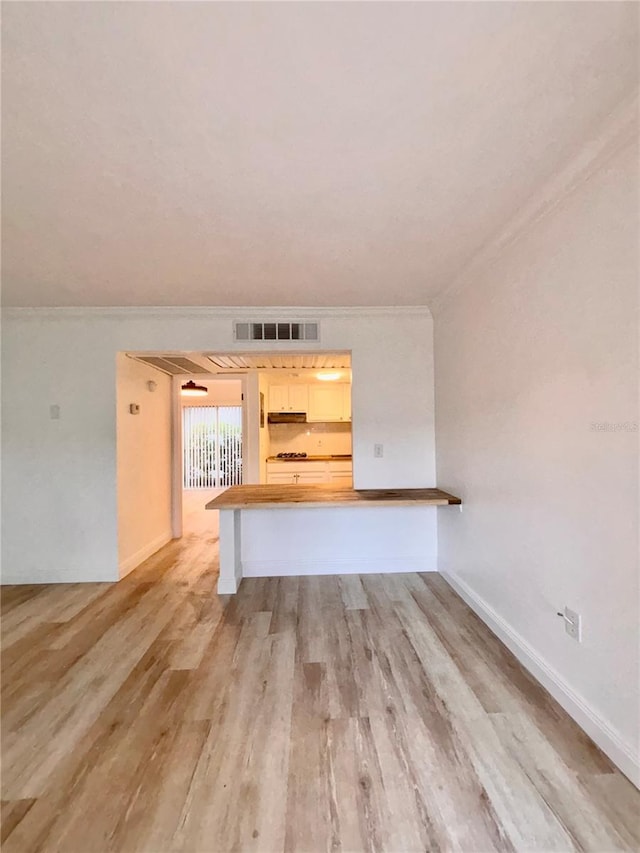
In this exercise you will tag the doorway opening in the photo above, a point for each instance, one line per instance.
(262, 417)
(210, 447)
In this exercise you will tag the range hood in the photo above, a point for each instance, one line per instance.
(287, 417)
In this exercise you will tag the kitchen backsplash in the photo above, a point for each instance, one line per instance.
(313, 439)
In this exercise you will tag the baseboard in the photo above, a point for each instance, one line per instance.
(144, 553)
(346, 566)
(228, 586)
(54, 578)
(608, 739)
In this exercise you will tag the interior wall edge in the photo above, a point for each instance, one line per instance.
(618, 132)
(610, 741)
(144, 553)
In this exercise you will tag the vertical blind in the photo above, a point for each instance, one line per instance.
(212, 446)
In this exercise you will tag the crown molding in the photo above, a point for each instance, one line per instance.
(249, 313)
(615, 134)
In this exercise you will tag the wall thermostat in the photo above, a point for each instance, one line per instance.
(134, 409)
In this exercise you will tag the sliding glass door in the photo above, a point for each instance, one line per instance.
(212, 446)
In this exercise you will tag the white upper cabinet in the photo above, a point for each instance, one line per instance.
(329, 402)
(278, 398)
(321, 402)
(298, 398)
(288, 398)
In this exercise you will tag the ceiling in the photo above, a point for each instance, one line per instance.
(285, 153)
(282, 361)
(192, 363)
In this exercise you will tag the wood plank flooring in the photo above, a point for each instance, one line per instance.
(372, 713)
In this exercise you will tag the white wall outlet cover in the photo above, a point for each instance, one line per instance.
(378, 451)
(151, 385)
(134, 409)
(54, 412)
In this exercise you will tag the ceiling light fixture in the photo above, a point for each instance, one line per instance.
(190, 389)
(328, 377)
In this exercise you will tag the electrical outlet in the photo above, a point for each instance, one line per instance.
(378, 451)
(54, 412)
(573, 624)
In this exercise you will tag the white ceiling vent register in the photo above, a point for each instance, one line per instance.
(174, 365)
(285, 330)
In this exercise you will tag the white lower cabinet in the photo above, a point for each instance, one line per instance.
(290, 473)
(340, 473)
(311, 477)
(341, 479)
(280, 478)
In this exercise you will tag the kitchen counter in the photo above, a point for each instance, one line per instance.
(285, 496)
(305, 504)
(323, 500)
(346, 458)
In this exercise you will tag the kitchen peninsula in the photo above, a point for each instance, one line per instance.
(310, 529)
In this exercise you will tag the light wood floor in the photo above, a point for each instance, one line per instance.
(312, 714)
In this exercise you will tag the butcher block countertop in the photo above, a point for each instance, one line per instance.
(345, 458)
(287, 497)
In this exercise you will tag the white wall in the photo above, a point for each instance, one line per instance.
(222, 392)
(59, 477)
(321, 541)
(264, 437)
(251, 430)
(533, 352)
(143, 462)
(314, 439)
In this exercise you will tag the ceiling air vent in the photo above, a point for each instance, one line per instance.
(185, 364)
(175, 365)
(276, 331)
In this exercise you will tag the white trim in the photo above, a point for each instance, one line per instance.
(619, 131)
(230, 543)
(374, 565)
(144, 553)
(6, 579)
(176, 458)
(228, 586)
(599, 730)
(213, 312)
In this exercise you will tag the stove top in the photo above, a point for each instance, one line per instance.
(291, 456)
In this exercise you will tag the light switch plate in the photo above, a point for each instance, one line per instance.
(573, 624)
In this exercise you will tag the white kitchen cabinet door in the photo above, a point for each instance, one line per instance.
(298, 398)
(288, 398)
(340, 473)
(309, 477)
(341, 479)
(280, 478)
(279, 398)
(325, 403)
